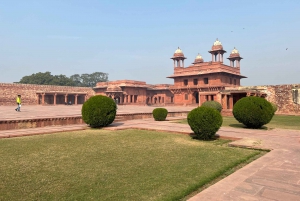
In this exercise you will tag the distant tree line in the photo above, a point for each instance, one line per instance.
(83, 80)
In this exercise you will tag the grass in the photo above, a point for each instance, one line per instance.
(112, 165)
(278, 121)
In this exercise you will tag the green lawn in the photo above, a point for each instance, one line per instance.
(278, 121)
(112, 165)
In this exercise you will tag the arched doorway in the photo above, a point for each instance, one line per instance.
(196, 97)
(117, 99)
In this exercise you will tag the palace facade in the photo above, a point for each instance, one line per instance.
(193, 85)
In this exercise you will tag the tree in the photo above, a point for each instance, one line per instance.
(77, 80)
(84, 80)
(89, 80)
(38, 78)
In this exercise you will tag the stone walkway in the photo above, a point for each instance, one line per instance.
(275, 176)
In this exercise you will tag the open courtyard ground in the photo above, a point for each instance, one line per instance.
(112, 165)
(274, 176)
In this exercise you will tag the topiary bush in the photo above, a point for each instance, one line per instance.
(160, 114)
(205, 122)
(213, 104)
(253, 112)
(274, 107)
(99, 111)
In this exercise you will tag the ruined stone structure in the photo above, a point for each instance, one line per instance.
(43, 94)
(286, 97)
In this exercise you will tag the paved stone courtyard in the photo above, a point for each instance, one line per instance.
(275, 176)
(38, 111)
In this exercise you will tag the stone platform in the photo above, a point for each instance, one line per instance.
(41, 116)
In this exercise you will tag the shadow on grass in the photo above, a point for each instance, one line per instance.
(244, 127)
(216, 140)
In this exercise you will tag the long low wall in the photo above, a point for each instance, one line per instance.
(29, 92)
(41, 122)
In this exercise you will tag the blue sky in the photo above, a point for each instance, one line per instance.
(136, 39)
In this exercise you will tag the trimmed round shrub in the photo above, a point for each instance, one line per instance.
(205, 122)
(99, 111)
(274, 107)
(160, 114)
(213, 104)
(253, 112)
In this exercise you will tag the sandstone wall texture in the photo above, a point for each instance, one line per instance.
(9, 92)
(284, 96)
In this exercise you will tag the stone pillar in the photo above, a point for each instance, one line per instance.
(54, 99)
(182, 62)
(225, 100)
(43, 98)
(174, 63)
(66, 98)
(76, 99)
(222, 58)
(37, 98)
(230, 102)
(219, 59)
(212, 57)
(219, 98)
(199, 98)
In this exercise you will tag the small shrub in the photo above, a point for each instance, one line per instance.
(253, 112)
(274, 107)
(213, 104)
(99, 111)
(205, 122)
(160, 114)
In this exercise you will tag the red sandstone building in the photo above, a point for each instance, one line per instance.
(193, 85)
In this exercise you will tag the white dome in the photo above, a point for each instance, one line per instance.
(217, 42)
(198, 56)
(178, 50)
(234, 51)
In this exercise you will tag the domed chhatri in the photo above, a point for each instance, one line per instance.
(178, 58)
(178, 53)
(217, 52)
(217, 45)
(234, 53)
(198, 59)
(235, 58)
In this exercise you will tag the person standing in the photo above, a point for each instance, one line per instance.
(19, 103)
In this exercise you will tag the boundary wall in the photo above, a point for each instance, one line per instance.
(29, 92)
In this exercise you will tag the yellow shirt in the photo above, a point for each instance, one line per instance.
(19, 100)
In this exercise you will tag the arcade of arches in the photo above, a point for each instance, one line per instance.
(56, 98)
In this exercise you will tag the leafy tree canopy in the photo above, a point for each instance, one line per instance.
(84, 80)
